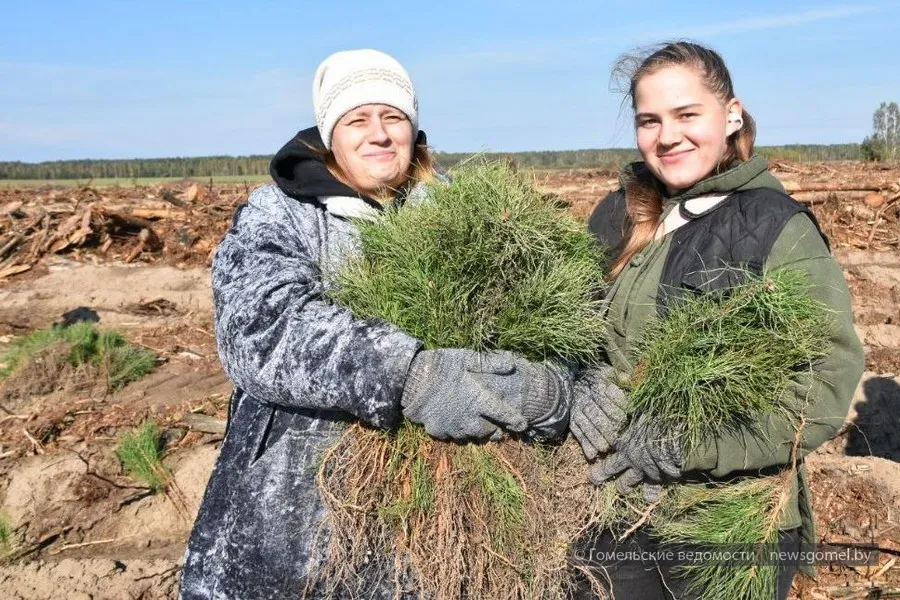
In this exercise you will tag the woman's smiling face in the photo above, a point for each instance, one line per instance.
(682, 128)
(373, 145)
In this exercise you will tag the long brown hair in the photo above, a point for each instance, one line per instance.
(421, 168)
(643, 193)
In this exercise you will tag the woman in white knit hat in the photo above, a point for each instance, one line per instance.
(303, 367)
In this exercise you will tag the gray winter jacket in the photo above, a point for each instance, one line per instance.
(303, 368)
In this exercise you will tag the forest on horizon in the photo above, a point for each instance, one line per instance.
(257, 165)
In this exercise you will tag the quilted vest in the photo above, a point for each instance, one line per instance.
(716, 248)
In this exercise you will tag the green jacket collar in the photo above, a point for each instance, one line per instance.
(741, 175)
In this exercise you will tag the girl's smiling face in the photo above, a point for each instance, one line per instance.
(682, 128)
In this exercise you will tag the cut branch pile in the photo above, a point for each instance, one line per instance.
(142, 223)
(856, 203)
(871, 222)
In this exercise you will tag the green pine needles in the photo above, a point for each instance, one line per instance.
(79, 345)
(740, 519)
(718, 362)
(407, 468)
(7, 539)
(487, 262)
(503, 495)
(140, 453)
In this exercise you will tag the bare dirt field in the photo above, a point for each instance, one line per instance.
(140, 258)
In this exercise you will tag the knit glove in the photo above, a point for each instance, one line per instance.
(540, 391)
(598, 412)
(642, 454)
(445, 392)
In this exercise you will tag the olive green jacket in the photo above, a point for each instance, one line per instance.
(823, 395)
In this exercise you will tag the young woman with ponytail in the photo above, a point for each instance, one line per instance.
(696, 213)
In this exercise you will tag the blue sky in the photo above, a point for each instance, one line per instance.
(149, 79)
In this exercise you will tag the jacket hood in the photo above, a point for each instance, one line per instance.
(741, 175)
(300, 173)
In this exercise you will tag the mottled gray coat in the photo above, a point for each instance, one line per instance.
(303, 367)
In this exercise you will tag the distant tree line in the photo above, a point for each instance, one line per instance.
(884, 143)
(237, 166)
(137, 167)
(812, 152)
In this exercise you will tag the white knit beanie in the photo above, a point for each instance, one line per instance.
(349, 79)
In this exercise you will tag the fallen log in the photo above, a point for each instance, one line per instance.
(195, 192)
(124, 219)
(170, 197)
(203, 423)
(11, 208)
(10, 245)
(13, 270)
(822, 197)
(142, 242)
(143, 214)
(800, 186)
(65, 229)
(158, 213)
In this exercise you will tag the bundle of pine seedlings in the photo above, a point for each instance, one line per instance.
(80, 356)
(487, 262)
(722, 363)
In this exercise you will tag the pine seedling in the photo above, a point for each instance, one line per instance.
(718, 362)
(503, 496)
(7, 542)
(141, 456)
(486, 263)
(83, 344)
(408, 472)
(739, 518)
(123, 362)
(127, 363)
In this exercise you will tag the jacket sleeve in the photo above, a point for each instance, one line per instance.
(280, 339)
(823, 394)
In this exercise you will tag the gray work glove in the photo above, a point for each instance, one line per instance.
(445, 394)
(643, 453)
(598, 411)
(540, 391)
(464, 394)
